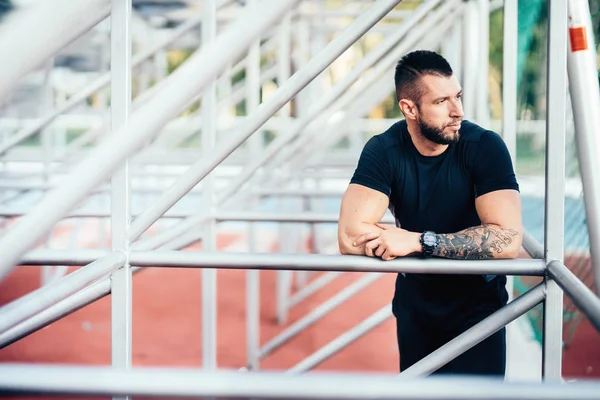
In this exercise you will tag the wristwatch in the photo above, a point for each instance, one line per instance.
(429, 241)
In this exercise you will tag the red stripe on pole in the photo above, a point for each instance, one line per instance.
(578, 38)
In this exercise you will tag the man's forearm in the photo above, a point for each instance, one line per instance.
(481, 242)
(346, 238)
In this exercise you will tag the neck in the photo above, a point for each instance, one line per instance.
(423, 145)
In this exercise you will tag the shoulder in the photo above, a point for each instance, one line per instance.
(479, 138)
(481, 147)
(473, 133)
(390, 139)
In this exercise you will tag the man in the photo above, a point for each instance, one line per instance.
(451, 187)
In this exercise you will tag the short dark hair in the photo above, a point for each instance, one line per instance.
(412, 67)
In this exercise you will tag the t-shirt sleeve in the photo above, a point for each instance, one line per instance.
(373, 169)
(493, 166)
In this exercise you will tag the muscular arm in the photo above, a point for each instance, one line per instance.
(361, 209)
(499, 235)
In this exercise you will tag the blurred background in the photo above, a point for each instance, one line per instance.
(306, 177)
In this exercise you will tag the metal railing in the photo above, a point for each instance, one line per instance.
(74, 290)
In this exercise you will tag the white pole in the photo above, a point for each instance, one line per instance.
(202, 168)
(120, 103)
(509, 76)
(209, 242)
(585, 101)
(555, 185)
(256, 148)
(470, 55)
(509, 90)
(482, 108)
(33, 33)
(144, 124)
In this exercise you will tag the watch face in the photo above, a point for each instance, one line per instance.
(429, 239)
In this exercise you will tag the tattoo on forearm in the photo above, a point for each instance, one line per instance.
(477, 243)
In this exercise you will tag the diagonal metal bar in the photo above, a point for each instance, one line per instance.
(99, 83)
(184, 84)
(343, 340)
(421, 37)
(477, 333)
(39, 36)
(290, 88)
(532, 246)
(581, 295)
(318, 313)
(316, 110)
(44, 297)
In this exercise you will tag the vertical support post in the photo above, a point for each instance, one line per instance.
(46, 139)
(509, 90)
(555, 184)
(509, 76)
(120, 105)
(316, 43)
(483, 102)
(585, 101)
(284, 66)
(302, 32)
(209, 130)
(256, 147)
(225, 90)
(283, 73)
(451, 48)
(47, 107)
(470, 48)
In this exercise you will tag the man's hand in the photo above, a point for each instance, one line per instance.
(390, 243)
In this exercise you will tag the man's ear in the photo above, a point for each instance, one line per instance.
(408, 108)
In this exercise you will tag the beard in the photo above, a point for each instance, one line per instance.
(436, 134)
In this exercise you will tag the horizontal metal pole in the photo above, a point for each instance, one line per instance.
(72, 303)
(12, 213)
(581, 295)
(532, 246)
(343, 340)
(61, 309)
(347, 13)
(144, 124)
(63, 257)
(298, 192)
(99, 83)
(285, 217)
(286, 91)
(105, 381)
(325, 262)
(477, 333)
(315, 113)
(46, 296)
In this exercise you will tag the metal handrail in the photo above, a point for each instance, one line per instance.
(165, 382)
(99, 83)
(44, 297)
(144, 124)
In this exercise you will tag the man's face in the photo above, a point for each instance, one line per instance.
(440, 109)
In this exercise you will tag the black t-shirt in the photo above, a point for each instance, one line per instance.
(438, 194)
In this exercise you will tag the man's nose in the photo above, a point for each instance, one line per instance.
(457, 110)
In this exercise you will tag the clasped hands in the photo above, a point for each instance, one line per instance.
(389, 243)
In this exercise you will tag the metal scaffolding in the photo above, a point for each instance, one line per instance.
(106, 165)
